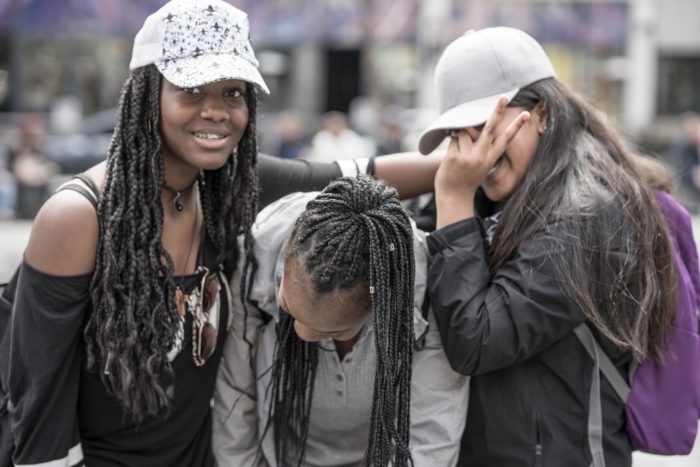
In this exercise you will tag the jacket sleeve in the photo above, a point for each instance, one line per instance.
(439, 399)
(44, 374)
(491, 321)
(280, 177)
(235, 412)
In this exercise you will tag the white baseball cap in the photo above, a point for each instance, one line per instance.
(475, 70)
(196, 42)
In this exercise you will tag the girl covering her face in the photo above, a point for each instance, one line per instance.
(543, 224)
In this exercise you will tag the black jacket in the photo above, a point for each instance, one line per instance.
(513, 331)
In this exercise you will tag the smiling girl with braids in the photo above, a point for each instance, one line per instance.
(335, 380)
(114, 335)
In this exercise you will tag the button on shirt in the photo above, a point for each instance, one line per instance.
(342, 402)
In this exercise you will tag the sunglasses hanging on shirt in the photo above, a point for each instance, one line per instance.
(205, 316)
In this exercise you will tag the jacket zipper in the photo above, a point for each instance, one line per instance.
(538, 441)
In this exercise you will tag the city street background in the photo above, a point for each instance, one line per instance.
(365, 64)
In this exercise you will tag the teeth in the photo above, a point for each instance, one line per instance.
(495, 166)
(208, 136)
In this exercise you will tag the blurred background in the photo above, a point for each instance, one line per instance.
(367, 62)
(357, 74)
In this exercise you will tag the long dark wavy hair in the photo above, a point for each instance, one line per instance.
(619, 268)
(134, 319)
(353, 236)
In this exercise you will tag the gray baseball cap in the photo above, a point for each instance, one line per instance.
(475, 70)
(196, 42)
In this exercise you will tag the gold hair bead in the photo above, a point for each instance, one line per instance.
(371, 289)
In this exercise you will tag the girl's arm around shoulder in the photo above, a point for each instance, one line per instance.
(64, 236)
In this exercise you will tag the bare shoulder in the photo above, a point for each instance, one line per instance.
(64, 236)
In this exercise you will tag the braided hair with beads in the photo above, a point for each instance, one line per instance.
(134, 321)
(353, 233)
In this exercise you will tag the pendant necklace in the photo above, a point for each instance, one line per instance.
(177, 194)
(180, 298)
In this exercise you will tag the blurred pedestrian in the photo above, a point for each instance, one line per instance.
(391, 133)
(542, 225)
(8, 189)
(336, 140)
(32, 169)
(293, 143)
(686, 159)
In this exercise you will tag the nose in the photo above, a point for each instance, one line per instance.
(214, 108)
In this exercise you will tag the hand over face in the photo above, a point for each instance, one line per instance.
(474, 154)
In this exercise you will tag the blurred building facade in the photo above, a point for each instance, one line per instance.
(639, 60)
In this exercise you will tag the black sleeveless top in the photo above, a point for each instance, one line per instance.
(180, 437)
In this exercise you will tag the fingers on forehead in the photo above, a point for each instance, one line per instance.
(497, 114)
(516, 125)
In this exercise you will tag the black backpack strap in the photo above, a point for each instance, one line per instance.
(87, 188)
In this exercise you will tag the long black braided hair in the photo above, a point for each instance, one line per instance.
(134, 319)
(355, 233)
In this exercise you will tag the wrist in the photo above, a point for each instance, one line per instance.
(453, 208)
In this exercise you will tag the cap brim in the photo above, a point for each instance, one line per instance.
(469, 114)
(205, 69)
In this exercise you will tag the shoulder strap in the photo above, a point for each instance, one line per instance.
(601, 363)
(607, 367)
(90, 184)
(87, 188)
